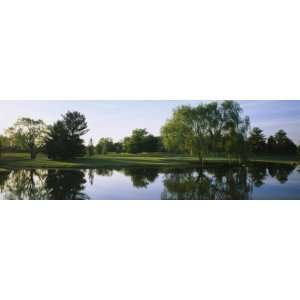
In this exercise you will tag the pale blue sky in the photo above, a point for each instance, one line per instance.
(117, 119)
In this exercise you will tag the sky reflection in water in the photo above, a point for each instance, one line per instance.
(226, 182)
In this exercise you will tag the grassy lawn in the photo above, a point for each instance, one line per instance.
(22, 160)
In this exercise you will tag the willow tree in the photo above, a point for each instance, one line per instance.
(187, 131)
(28, 134)
(211, 127)
(235, 129)
(177, 133)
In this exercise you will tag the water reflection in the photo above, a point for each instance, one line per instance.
(141, 177)
(222, 183)
(281, 172)
(3, 179)
(68, 185)
(218, 182)
(26, 184)
(43, 184)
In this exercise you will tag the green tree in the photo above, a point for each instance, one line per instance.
(141, 141)
(118, 147)
(177, 135)
(6, 143)
(257, 141)
(105, 145)
(271, 145)
(64, 139)
(28, 134)
(57, 142)
(91, 148)
(212, 127)
(284, 145)
(234, 129)
(134, 143)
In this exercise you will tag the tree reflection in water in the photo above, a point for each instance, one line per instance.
(44, 184)
(3, 179)
(141, 177)
(26, 184)
(220, 182)
(66, 184)
(258, 174)
(281, 172)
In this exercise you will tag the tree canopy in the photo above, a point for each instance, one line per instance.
(207, 127)
(257, 141)
(141, 141)
(28, 134)
(105, 145)
(64, 138)
(284, 145)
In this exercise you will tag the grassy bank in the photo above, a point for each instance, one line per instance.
(22, 160)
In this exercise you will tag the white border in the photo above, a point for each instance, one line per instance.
(141, 50)
(149, 50)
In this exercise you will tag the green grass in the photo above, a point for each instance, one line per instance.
(22, 160)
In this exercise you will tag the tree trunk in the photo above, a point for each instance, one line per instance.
(200, 159)
(33, 154)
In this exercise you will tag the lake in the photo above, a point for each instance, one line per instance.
(256, 181)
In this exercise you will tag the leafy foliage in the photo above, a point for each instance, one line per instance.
(28, 134)
(64, 139)
(105, 145)
(91, 148)
(207, 127)
(141, 141)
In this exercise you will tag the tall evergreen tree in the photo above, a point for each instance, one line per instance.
(284, 145)
(257, 141)
(64, 139)
(271, 145)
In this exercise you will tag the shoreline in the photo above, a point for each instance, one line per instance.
(21, 161)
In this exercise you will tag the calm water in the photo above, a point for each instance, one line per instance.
(246, 182)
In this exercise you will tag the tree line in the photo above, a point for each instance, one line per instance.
(214, 127)
(220, 128)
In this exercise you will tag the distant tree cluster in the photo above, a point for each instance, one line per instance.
(278, 144)
(106, 145)
(141, 141)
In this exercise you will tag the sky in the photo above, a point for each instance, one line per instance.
(117, 119)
